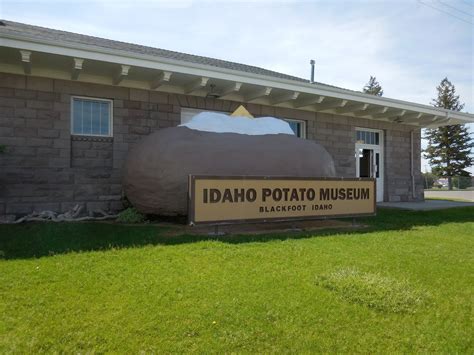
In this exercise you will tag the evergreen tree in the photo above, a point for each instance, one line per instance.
(373, 87)
(449, 147)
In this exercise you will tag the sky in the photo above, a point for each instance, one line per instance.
(409, 45)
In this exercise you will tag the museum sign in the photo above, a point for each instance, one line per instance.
(241, 199)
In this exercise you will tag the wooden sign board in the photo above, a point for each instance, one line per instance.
(245, 199)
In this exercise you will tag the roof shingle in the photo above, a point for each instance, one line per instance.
(37, 32)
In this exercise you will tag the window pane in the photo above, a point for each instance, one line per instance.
(90, 117)
(77, 117)
(95, 118)
(104, 118)
(377, 164)
(368, 137)
(86, 118)
(295, 126)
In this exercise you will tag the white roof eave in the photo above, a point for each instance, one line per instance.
(98, 53)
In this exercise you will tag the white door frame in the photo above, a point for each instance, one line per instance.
(376, 148)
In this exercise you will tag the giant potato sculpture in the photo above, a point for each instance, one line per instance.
(156, 176)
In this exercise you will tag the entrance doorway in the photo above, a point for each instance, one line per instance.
(369, 157)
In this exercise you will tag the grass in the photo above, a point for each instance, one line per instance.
(402, 285)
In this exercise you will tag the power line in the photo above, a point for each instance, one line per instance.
(467, 2)
(445, 12)
(455, 8)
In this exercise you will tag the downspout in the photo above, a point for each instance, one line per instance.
(412, 170)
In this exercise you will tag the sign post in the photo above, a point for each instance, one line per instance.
(248, 199)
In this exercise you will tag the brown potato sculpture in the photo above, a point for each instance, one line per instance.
(157, 169)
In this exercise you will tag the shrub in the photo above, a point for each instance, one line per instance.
(130, 215)
(2, 149)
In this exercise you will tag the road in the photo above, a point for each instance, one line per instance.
(463, 194)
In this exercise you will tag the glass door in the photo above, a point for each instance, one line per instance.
(369, 157)
(368, 165)
(366, 159)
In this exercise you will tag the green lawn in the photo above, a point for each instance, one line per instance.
(405, 284)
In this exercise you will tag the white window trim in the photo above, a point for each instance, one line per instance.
(195, 111)
(111, 116)
(303, 126)
(379, 131)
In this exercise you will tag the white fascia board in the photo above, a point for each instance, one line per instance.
(93, 52)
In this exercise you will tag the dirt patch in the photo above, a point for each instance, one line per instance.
(374, 291)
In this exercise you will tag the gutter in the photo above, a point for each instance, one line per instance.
(412, 169)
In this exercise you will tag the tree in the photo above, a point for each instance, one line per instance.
(449, 147)
(462, 182)
(429, 180)
(373, 87)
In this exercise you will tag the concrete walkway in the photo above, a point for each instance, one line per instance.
(427, 205)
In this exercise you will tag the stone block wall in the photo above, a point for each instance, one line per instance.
(338, 135)
(398, 168)
(46, 168)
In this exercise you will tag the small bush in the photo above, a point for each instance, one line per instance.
(372, 290)
(3, 149)
(130, 215)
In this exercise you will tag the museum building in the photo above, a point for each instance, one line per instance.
(73, 106)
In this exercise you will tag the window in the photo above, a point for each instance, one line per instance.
(188, 113)
(91, 117)
(299, 127)
(367, 137)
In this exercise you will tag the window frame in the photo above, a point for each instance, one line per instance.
(379, 131)
(90, 98)
(303, 126)
(196, 111)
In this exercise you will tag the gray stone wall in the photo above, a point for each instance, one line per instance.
(47, 168)
(338, 135)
